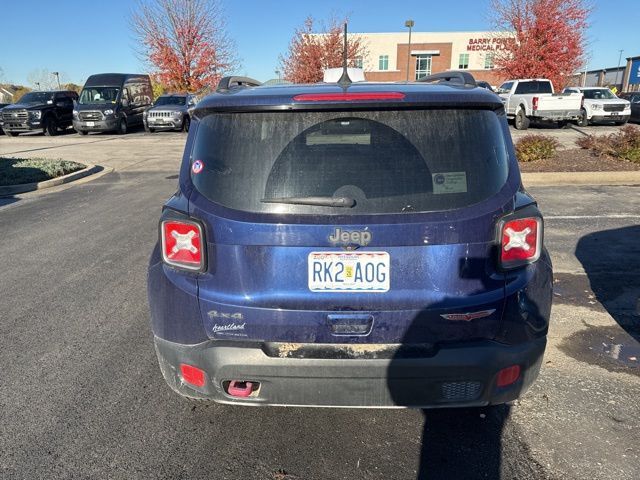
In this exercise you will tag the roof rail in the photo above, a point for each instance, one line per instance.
(459, 78)
(227, 83)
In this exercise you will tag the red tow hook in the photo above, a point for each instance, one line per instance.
(239, 388)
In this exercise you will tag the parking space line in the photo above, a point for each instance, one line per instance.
(579, 217)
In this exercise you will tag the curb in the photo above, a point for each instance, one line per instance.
(54, 182)
(581, 178)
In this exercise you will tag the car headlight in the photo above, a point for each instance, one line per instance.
(35, 114)
(75, 113)
(145, 113)
(177, 114)
(596, 106)
(108, 112)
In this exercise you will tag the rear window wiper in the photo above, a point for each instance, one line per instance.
(345, 202)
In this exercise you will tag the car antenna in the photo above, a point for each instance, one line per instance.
(344, 81)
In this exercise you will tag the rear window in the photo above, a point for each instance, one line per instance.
(524, 88)
(380, 161)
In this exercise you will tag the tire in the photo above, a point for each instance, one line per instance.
(186, 123)
(122, 127)
(583, 121)
(50, 127)
(11, 134)
(521, 122)
(82, 132)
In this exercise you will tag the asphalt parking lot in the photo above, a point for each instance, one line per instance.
(81, 395)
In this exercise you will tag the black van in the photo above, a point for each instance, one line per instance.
(112, 102)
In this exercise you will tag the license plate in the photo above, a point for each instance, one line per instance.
(91, 124)
(366, 272)
(615, 114)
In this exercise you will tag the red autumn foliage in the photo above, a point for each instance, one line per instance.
(310, 54)
(549, 38)
(185, 42)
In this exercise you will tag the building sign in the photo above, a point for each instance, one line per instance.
(634, 75)
(488, 44)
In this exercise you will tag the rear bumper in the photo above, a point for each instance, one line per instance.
(451, 376)
(556, 114)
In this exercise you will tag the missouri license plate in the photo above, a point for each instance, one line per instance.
(349, 272)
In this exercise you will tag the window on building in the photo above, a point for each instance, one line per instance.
(423, 66)
(463, 62)
(358, 62)
(488, 60)
(383, 62)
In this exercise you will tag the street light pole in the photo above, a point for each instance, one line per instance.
(618, 70)
(57, 74)
(409, 24)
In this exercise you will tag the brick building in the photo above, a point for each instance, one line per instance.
(431, 52)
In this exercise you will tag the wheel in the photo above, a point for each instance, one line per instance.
(11, 134)
(186, 123)
(122, 128)
(50, 127)
(583, 121)
(82, 132)
(521, 121)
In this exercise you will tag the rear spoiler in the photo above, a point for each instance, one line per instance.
(453, 77)
(227, 83)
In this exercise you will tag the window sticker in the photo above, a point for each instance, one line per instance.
(197, 166)
(449, 182)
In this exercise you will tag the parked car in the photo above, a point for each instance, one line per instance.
(48, 112)
(112, 102)
(634, 99)
(483, 84)
(297, 265)
(534, 99)
(600, 105)
(2, 105)
(169, 112)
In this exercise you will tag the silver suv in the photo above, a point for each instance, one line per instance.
(170, 112)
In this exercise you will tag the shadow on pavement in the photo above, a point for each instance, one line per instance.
(611, 260)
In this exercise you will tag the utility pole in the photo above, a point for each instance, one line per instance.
(409, 24)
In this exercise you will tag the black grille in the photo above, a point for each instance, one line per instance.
(614, 107)
(15, 115)
(90, 115)
(461, 391)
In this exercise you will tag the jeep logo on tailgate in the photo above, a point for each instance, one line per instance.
(345, 237)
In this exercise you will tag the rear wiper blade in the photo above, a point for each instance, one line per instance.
(345, 202)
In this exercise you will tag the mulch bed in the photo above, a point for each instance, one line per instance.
(578, 160)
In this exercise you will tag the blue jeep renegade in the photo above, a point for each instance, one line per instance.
(352, 245)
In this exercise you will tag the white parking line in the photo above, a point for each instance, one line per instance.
(578, 217)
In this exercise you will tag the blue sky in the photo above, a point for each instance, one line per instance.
(79, 37)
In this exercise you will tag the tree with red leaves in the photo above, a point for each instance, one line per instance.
(185, 42)
(548, 38)
(311, 53)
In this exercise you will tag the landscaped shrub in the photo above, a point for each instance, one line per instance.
(531, 148)
(624, 144)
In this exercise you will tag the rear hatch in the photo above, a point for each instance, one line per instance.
(351, 226)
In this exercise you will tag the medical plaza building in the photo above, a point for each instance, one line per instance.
(431, 52)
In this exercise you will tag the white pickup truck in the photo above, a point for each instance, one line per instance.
(533, 99)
